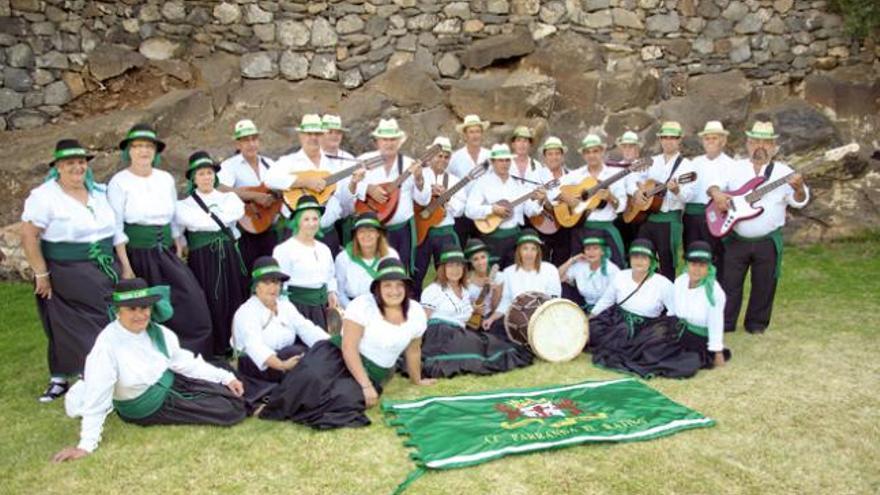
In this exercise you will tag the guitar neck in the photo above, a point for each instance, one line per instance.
(443, 198)
(605, 183)
(346, 172)
(761, 191)
(525, 197)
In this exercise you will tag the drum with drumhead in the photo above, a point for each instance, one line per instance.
(556, 330)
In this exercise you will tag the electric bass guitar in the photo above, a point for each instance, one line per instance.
(292, 195)
(384, 211)
(258, 218)
(492, 221)
(637, 212)
(476, 319)
(431, 215)
(742, 201)
(587, 189)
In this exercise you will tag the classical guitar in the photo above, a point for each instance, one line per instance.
(429, 216)
(384, 211)
(492, 221)
(258, 218)
(292, 195)
(476, 319)
(637, 212)
(742, 201)
(587, 189)
(545, 222)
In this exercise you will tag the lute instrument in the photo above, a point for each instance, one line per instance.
(258, 218)
(655, 192)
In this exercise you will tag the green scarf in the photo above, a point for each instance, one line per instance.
(708, 283)
(89, 179)
(370, 269)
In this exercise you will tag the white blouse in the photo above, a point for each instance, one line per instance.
(517, 281)
(64, 219)
(447, 306)
(235, 171)
(143, 200)
(693, 305)
(352, 279)
(308, 266)
(383, 342)
(258, 332)
(228, 207)
(122, 365)
(591, 284)
(408, 190)
(654, 295)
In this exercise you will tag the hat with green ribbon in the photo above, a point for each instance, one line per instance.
(389, 269)
(629, 137)
(307, 202)
(591, 141)
(522, 132)
(136, 293)
(594, 237)
(553, 143)
(762, 130)
(266, 268)
(365, 220)
(475, 245)
(471, 121)
(644, 247)
(69, 148)
(701, 252)
(245, 128)
(388, 129)
(451, 253)
(332, 123)
(200, 159)
(142, 132)
(670, 128)
(311, 124)
(529, 235)
(500, 152)
(443, 142)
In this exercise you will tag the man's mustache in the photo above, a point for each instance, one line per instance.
(760, 155)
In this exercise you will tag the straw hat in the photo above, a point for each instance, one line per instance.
(471, 121)
(713, 127)
(245, 128)
(388, 129)
(762, 130)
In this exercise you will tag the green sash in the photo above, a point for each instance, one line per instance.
(694, 329)
(694, 209)
(775, 237)
(632, 321)
(613, 232)
(152, 399)
(446, 230)
(307, 296)
(504, 233)
(100, 252)
(148, 236)
(376, 373)
(371, 269)
(676, 230)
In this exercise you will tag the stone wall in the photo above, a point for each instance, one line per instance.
(52, 51)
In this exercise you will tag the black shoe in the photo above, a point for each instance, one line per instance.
(756, 330)
(54, 391)
(730, 330)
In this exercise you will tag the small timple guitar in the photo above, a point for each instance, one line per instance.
(476, 319)
(431, 215)
(492, 221)
(587, 189)
(742, 201)
(655, 192)
(258, 218)
(384, 211)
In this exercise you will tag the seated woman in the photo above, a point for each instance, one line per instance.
(528, 273)
(483, 283)
(448, 348)
(268, 333)
(590, 270)
(138, 367)
(356, 264)
(338, 379)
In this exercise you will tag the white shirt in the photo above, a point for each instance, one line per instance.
(591, 284)
(533, 168)
(147, 200)
(544, 176)
(707, 174)
(461, 163)
(122, 365)
(383, 342)
(517, 281)
(408, 190)
(447, 306)
(259, 333)
(235, 171)
(489, 189)
(283, 174)
(352, 279)
(774, 202)
(693, 305)
(308, 266)
(455, 206)
(654, 295)
(617, 189)
(347, 203)
(659, 171)
(228, 207)
(64, 219)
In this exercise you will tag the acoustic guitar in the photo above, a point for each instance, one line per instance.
(476, 319)
(384, 211)
(655, 192)
(587, 189)
(431, 215)
(492, 221)
(545, 222)
(258, 218)
(292, 195)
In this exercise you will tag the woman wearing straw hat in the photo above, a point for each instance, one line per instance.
(591, 270)
(756, 244)
(268, 332)
(138, 368)
(448, 347)
(68, 233)
(144, 199)
(523, 168)
(664, 228)
(631, 150)
(472, 130)
(400, 227)
(338, 379)
(207, 218)
(358, 264)
(309, 263)
(309, 157)
(558, 245)
(245, 169)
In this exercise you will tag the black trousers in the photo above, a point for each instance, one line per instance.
(401, 240)
(430, 248)
(465, 229)
(628, 232)
(502, 248)
(660, 234)
(558, 247)
(696, 229)
(739, 257)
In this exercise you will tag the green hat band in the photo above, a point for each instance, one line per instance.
(201, 161)
(391, 270)
(706, 255)
(670, 131)
(454, 255)
(500, 155)
(368, 222)
(263, 270)
(142, 134)
(59, 154)
(761, 135)
(475, 249)
(529, 238)
(392, 133)
(593, 241)
(641, 250)
(311, 127)
(247, 131)
(306, 206)
(132, 294)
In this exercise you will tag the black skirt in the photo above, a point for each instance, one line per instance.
(314, 313)
(219, 275)
(252, 246)
(77, 312)
(449, 350)
(203, 403)
(259, 384)
(192, 320)
(319, 392)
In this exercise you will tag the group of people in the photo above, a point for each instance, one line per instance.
(150, 298)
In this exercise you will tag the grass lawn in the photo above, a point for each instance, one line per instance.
(798, 411)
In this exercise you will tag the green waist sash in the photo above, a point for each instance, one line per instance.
(307, 296)
(676, 230)
(148, 236)
(148, 402)
(694, 329)
(775, 237)
(442, 231)
(215, 241)
(612, 231)
(198, 240)
(500, 233)
(443, 321)
(694, 209)
(100, 252)
(377, 374)
(633, 321)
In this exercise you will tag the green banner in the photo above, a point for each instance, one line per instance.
(464, 430)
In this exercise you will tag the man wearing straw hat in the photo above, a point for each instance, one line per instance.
(524, 167)
(463, 160)
(630, 147)
(557, 247)
(756, 243)
(400, 227)
(310, 157)
(664, 228)
(248, 168)
(331, 145)
(714, 161)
